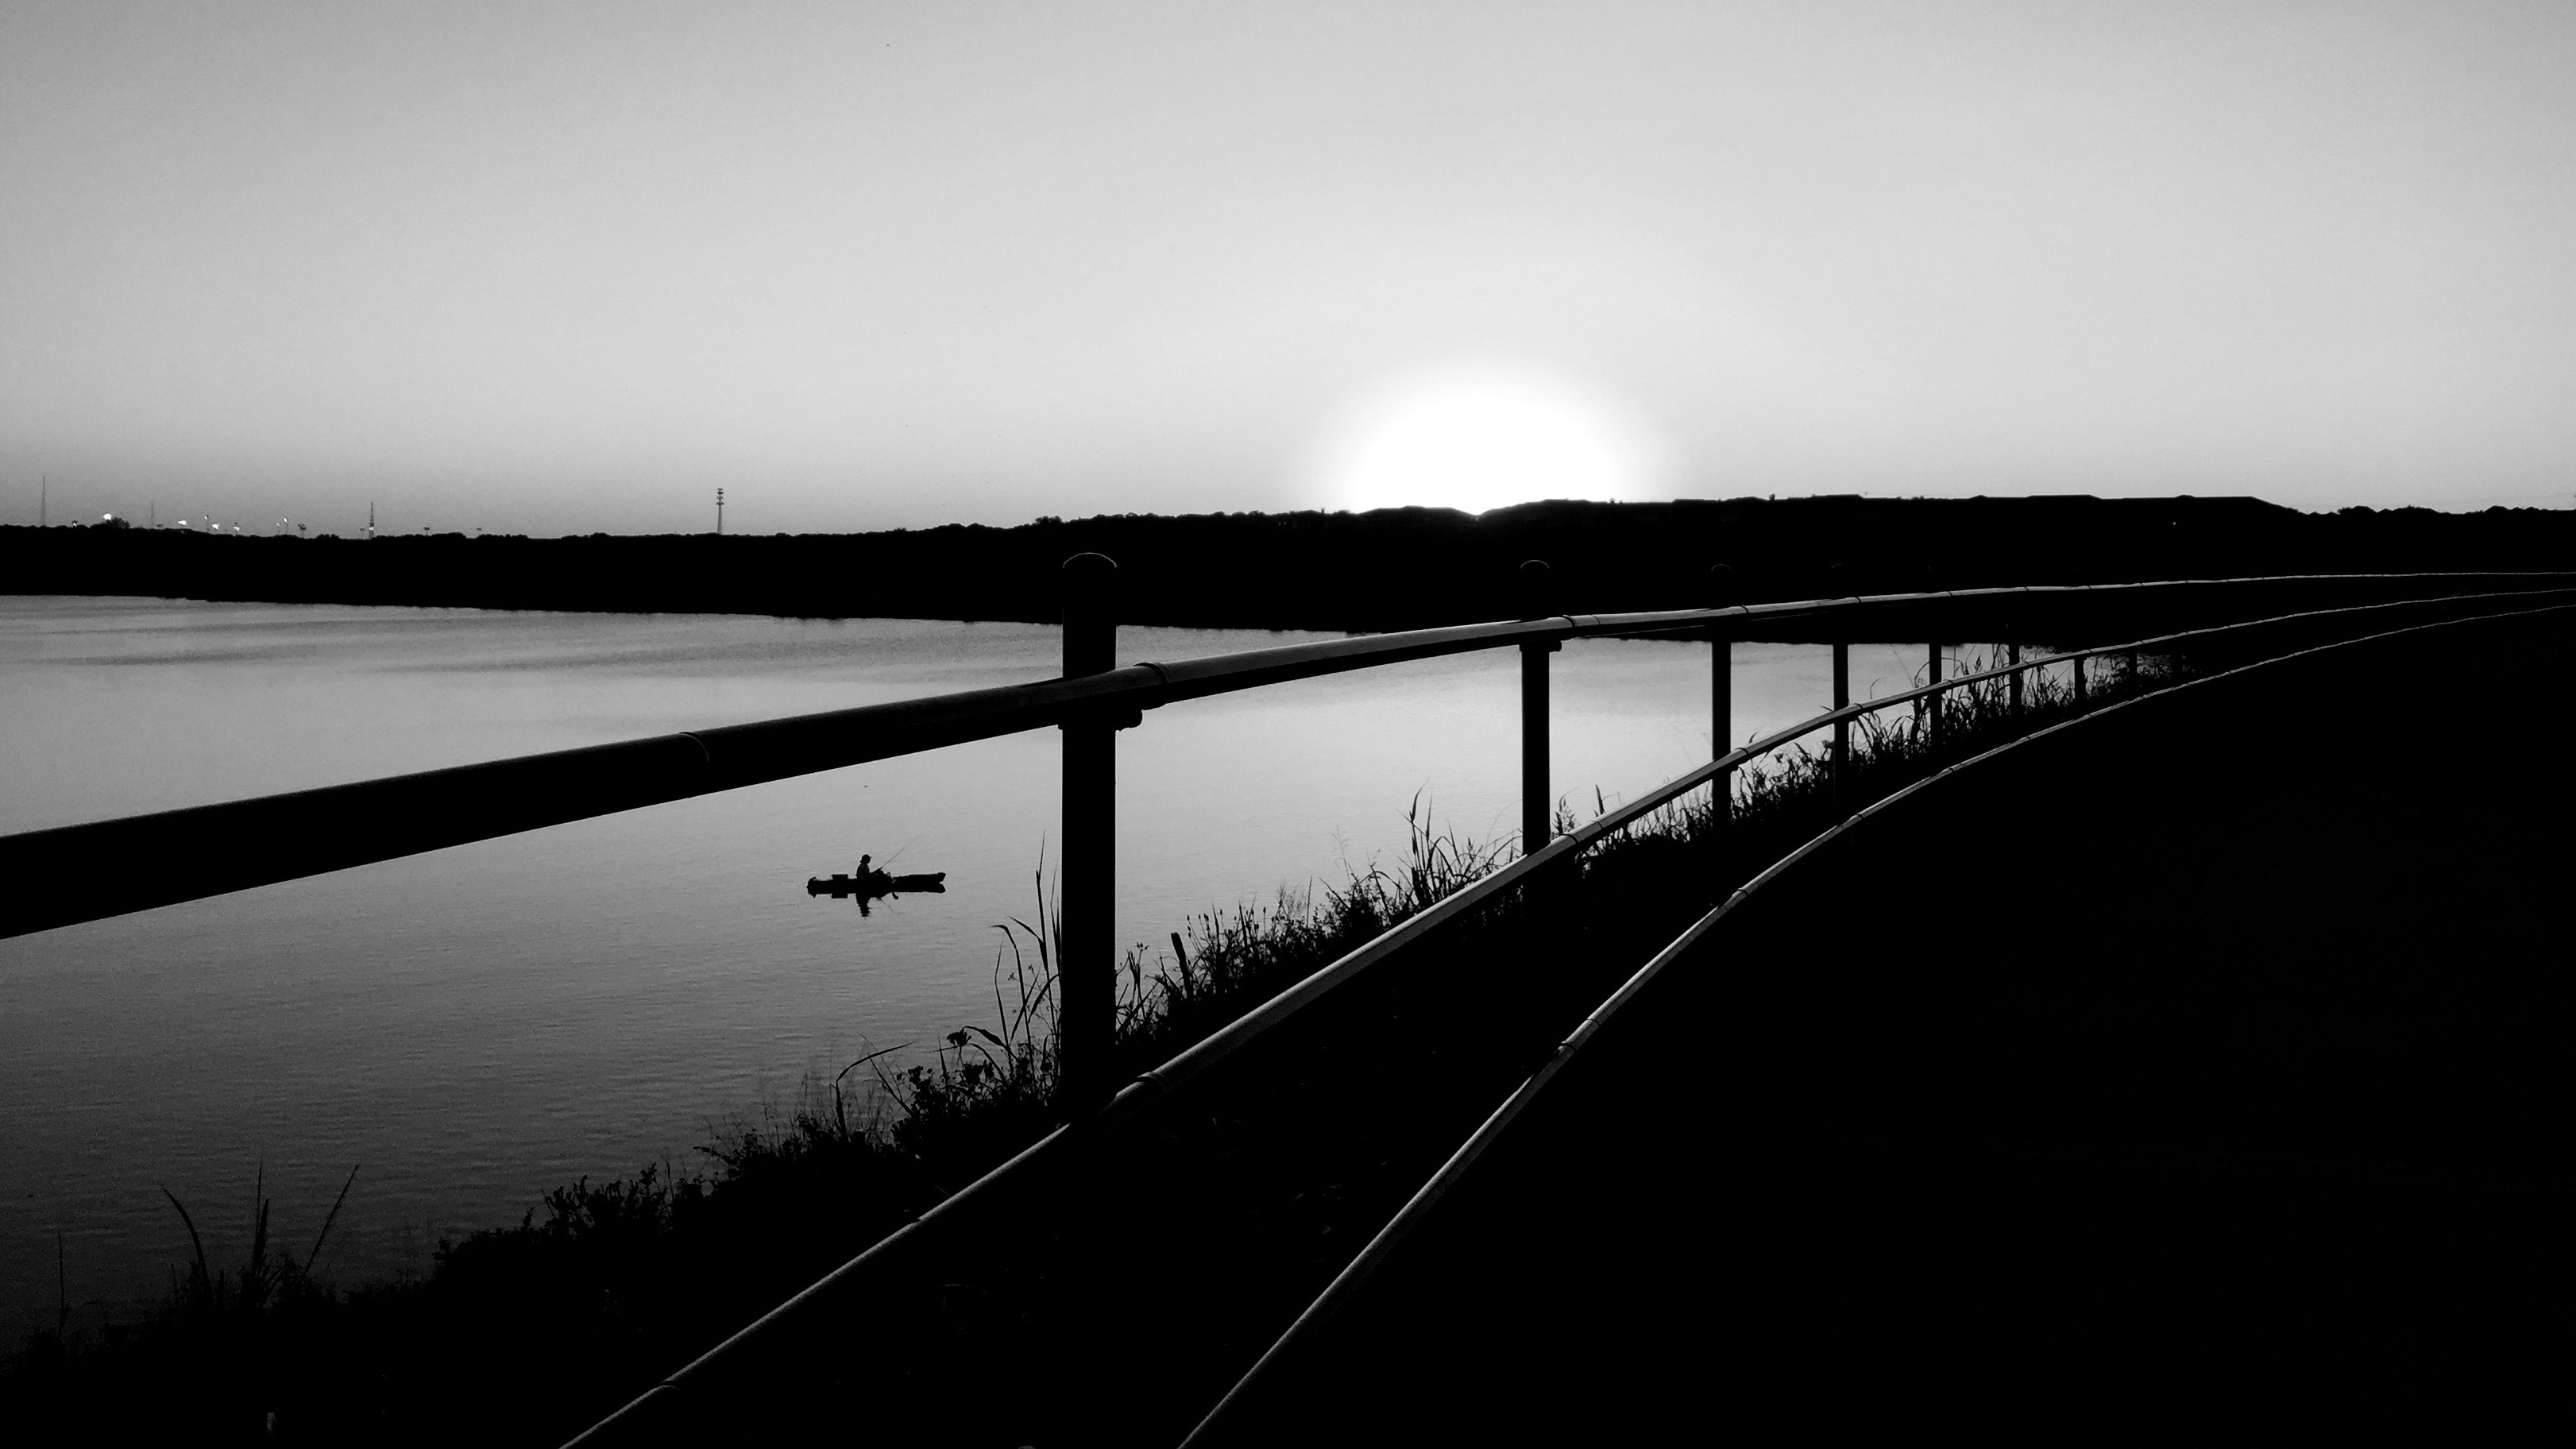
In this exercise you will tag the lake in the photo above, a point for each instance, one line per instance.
(474, 1026)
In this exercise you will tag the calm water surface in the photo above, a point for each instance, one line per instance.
(476, 1025)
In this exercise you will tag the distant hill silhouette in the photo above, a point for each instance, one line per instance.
(1393, 568)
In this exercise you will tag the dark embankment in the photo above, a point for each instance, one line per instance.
(1398, 568)
(2208, 1054)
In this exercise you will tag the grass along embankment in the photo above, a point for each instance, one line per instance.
(1060, 1319)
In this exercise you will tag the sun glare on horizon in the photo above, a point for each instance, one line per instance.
(1480, 436)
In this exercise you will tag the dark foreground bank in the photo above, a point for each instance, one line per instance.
(1390, 569)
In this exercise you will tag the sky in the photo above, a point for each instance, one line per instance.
(564, 267)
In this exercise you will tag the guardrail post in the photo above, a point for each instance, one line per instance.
(1537, 816)
(2079, 681)
(2012, 681)
(1721, 696)
(1842, 727)
(1086, 971)
(1932, 702)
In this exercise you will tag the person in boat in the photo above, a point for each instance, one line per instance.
(870, 877)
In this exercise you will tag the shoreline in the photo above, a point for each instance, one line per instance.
(1390, 569)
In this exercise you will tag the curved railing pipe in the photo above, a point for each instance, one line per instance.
(1227, 1414)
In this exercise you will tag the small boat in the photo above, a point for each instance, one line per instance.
(869, 885)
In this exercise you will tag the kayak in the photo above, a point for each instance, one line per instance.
(876, 883)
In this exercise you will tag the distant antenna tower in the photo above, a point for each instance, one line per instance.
(371, 520)
(719, 511)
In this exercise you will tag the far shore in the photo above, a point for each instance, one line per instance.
(1390, 569)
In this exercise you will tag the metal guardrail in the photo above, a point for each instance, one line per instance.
(77, 873)
(638, 1421)
(1227, 1415)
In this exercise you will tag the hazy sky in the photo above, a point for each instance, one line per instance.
(556, 267)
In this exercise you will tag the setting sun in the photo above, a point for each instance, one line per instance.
(1480, 436)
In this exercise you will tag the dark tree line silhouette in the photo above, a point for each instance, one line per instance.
(1393, 568)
